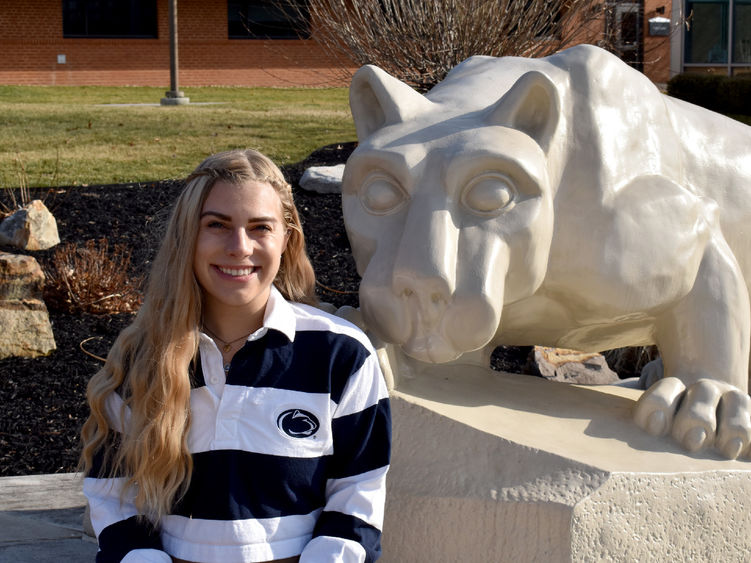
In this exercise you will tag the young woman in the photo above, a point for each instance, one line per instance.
(233, 421)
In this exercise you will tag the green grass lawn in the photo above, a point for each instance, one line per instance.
(56, 136)
(66, 135)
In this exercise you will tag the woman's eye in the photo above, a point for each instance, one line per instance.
(489, 193)
(215, 225)
(381, 194)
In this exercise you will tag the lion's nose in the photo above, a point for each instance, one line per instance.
(428, 296)
(435, 289)
(427, 251)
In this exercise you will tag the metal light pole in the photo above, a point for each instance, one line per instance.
(173, 97)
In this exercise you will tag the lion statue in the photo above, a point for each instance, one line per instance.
(561, 201)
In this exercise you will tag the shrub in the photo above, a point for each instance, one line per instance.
(628, 362)
(723, 94)
(420, 41)
(91, 279)
(734, 95)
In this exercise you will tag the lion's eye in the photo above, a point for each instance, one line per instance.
(381, 194)
(489, 193)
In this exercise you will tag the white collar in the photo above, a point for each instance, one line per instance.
(278, 316)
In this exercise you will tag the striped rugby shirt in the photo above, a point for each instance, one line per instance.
(290, 453)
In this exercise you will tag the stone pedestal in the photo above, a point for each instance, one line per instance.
(174, 98)
(492, 467)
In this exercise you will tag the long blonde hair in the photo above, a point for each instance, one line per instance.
(149, 363)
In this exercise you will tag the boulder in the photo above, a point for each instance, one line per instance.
(26, 329)
(571, 366)
(323, 179)
(32, 227)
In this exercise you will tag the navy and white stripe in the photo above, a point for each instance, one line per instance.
(290, 452)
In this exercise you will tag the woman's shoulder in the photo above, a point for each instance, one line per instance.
(309, 318)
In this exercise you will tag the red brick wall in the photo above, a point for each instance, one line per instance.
(657, 49)
(31, 38)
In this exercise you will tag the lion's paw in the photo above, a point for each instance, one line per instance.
(705, 414)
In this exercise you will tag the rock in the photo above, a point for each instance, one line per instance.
(26, 329)
(571, 366)
(21, 277)
(323, 179)
(32, 227)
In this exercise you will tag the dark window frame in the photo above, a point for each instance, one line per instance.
(110, 19)
(266, 19)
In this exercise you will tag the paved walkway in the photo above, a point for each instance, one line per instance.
(41, 520)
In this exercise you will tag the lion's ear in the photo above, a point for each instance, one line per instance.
(378, 99)
(531, 106)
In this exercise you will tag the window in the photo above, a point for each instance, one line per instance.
(268, 19)
(623, 27)
(109, 18)
(742, 32)
(707, 36)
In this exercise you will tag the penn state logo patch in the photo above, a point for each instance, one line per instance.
(297, 423)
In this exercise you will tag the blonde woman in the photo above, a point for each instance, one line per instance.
(233, 421)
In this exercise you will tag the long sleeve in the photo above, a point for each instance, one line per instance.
(122, 535)
(349, 528)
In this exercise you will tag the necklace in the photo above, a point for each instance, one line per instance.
(225, 345)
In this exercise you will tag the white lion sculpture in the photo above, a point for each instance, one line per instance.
(561, 201)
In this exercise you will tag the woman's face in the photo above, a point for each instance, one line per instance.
(241, 238)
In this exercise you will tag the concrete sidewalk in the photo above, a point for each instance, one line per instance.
(41, 520)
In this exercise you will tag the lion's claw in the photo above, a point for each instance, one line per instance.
(694, 439)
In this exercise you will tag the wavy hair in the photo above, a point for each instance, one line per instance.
(149, 363)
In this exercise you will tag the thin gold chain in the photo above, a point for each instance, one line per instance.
(225, 345)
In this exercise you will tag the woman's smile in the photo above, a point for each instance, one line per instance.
(237, 272)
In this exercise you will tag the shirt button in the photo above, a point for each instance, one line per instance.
(215, 379)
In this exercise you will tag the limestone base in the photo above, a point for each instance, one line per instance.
(492, 467)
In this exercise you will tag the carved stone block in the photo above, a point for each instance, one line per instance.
(523, 469)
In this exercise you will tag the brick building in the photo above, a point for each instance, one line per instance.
(126, 42)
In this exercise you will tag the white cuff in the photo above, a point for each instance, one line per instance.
(146, 556)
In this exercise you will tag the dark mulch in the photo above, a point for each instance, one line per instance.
(42, 400)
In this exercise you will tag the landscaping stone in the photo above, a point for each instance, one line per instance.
(571, 366)
(32, 227)
(323, 179)
(26, 329)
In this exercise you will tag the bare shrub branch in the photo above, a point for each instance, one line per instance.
(91, 279)
(628, 362)
(419, 41)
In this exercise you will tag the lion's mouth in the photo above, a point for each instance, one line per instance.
(437, 334)
(431, 347)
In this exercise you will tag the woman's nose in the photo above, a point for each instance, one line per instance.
(239, 243)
